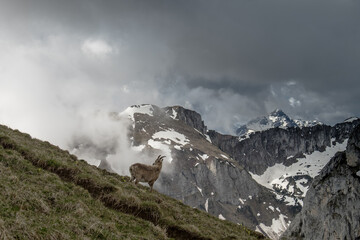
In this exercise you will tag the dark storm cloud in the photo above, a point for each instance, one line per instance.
(316, 44)
(225, 59)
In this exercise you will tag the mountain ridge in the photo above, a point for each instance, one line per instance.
(275, 119)
(227, 176)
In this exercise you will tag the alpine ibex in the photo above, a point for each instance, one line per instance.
(146, 173)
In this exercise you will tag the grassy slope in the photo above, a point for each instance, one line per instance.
(46, 193)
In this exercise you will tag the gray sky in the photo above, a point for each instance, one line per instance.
(229, 60)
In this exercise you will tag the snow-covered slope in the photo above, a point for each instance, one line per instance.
(143, 109)
(292, 182)
(285, 160)
(275, 119)
(351, 119)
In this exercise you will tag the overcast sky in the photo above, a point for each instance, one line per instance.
(229, 60)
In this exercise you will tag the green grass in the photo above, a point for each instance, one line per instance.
(47, 193)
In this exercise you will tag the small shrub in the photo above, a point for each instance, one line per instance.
(7, 143)
(52, 163)
(150, 211)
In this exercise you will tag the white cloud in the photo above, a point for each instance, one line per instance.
(294, 102)
(273, 93)
(125, 89)
(97, 47)
(291, 83)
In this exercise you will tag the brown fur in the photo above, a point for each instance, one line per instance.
(146, 173)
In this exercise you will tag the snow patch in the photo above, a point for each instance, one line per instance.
(143, 109)
(200, 190)
(311, 165)
(204, 156)
(138, 148)
(221, 217)
(177, 147)
(277, 227)
(349, 120)
(205, 135)
(224, 156)
(172, 135)
(208, 138)
(174, 114)
(242, 201)
(290, 201)
(246, 135)
(207, 205)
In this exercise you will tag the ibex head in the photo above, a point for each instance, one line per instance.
(159, 160)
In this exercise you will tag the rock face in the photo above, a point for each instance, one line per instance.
(191, 118)
(286, 160)
(353, 150)
(332, 205)
(266, 148)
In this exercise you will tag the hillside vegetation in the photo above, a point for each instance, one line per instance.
(47, 193)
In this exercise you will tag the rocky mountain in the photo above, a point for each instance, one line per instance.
(276, 119)
(332, 205)
(199, 173)
(286, 160)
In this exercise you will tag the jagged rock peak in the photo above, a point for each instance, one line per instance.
(351, 119)
(278, 112)
(190, 117)
(142, 108)
(276, 118)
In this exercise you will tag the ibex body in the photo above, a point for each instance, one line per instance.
(146, 173)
